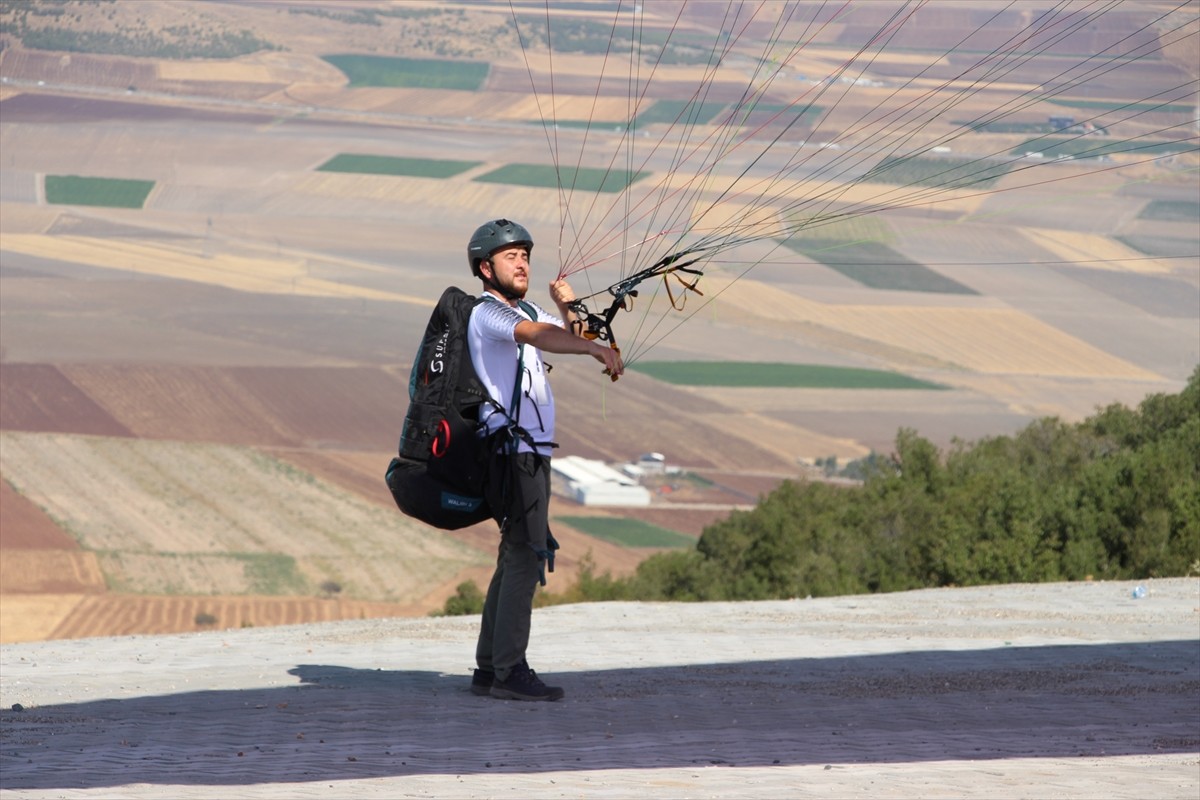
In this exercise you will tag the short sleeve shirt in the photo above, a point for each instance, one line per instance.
(491, 340)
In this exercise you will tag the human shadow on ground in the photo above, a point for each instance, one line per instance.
(339, 723)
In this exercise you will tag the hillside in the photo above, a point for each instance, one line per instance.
(198, 396)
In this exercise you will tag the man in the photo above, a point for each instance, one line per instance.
(506, 338)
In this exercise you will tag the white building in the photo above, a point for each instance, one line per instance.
(594, 483)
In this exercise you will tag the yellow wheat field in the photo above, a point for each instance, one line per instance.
(988, 340)
(118, 615)
(242, 273)
(31, 617)
(515, 106)
(32, 571)
(1046, 396)
(263, 67)
(24, 218)
(749, 188)
(573, 69)
(779, 437)
(1093, 250)
(37, 617)
(538, 205)
(198, 70)
(598, 110)
(745, 218)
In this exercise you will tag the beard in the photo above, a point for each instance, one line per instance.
(510, 290)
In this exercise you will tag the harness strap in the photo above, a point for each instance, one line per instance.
(513, 434)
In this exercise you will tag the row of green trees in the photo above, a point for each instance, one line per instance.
(148, 44)
(581, 35)
(1116, 496)
(22, 20)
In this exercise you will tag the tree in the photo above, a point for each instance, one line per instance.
(1115, 496)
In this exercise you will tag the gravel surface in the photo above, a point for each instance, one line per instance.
(1054, 690)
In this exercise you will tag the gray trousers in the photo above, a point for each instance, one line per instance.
(522, 490)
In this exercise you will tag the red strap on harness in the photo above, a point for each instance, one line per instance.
(441, 439)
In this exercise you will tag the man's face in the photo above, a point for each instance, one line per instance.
(510, 269)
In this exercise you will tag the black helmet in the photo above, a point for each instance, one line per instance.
(491, 236)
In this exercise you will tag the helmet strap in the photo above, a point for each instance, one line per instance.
(492, 284)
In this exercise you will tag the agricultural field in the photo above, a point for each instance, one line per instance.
(878, 266)
(583, 179)
(77, 190)
(422, 73)
(46, 615)
(628, 532)
(810, 376)
(979, 338)
(954, 172)
(1171, 211)
(1094, 147)
(227, 520)
(199, 390)
(678, 111)
(391, 165)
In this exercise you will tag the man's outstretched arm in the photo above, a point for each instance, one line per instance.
(553, 339)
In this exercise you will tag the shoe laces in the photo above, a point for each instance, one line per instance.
(525, 669)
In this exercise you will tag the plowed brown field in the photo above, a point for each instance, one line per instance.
(357, 409)
(38, 397)
(35, 617)
(24, 526)
(265, 406)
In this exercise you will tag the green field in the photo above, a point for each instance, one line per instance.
(414, 73)
(1097, 146)
(577, 124)
(1171, 211)
(815, 232)
(784, 112)
(392, 165)
(628, 532)
(943, 173)
(682, 112)
(1007, 127)
(75, 190)
(1108, 105)
(584, 179)
(671, 111)
(779, 376)
(1160, 246)
(878, 266)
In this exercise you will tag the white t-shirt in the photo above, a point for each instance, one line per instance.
(491, 340)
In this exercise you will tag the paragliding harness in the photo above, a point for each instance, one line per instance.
(441, 472)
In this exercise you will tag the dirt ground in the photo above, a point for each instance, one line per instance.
(1054, 690)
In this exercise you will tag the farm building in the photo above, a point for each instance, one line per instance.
(594, 483)
(648, 465)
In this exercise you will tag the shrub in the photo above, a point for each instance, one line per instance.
(467, 599)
